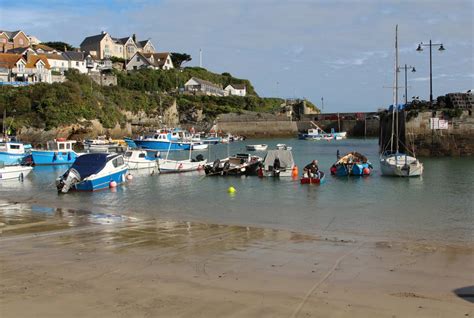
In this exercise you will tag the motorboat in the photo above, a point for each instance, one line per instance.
(14, 172)
(260, 147)
(352, 164)
(176, 166)
(278, 163)
(93, 171)
(283, 147)
(240, 164)
(141, 159)
(101, 143)
(13, 153)
(394, 162)
(164, 140)
(59, 151)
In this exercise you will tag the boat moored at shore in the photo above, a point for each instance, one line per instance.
(14, 172)
(58, 152)
(240, 164)
(13, 153)
(352, 164)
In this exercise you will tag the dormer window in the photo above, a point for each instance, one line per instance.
(20, 41)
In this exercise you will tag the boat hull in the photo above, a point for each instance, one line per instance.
(356, 169)
(177, 166)
(137, 165)
(401, 166)
(101, 181)
(312, 180)
(14, 172)
(47, 157)
(162, 145)
(11, 159)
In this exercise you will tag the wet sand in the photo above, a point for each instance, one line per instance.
(67, 263)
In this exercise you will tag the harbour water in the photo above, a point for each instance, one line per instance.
(437, 207)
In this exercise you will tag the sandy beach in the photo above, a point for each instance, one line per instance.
(78, 264)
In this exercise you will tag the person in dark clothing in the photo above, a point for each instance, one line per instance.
(276, 164)
(312, 169)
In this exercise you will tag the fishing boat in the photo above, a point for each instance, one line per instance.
(313, 180)
(278, 163)
(394, 162)
(163, 140)
(14, 172)
(352, 164)
(101, 143)
(166, 165)
(260, 147)
(13, 153)
(141, 159)
(93, 171)
(240, 164)
(59, 151)
(317, 133)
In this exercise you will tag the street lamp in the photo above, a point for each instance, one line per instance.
(441, 49)
(413, 70)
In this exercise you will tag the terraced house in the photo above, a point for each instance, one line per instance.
(12, 40)
(104, 45)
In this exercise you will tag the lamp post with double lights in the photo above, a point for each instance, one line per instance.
(441, 49)
(413, 70)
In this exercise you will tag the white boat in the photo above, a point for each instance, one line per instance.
(393, 162)
(199, 146)
(260, 147)
(319, 134)
(278, 163)
(14, 172)
(174, 166)
(283, 147)
(141, 159)
(99, 144)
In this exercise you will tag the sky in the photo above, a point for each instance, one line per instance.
(341, 51)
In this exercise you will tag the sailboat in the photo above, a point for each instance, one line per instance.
(393, 162)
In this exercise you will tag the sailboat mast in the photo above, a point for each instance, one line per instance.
(394, 93)
(396, 84)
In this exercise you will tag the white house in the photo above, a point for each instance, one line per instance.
(58, 62)
(38, 69)
(77, 60)
(198, 86)
(236, 89)
(161, 61)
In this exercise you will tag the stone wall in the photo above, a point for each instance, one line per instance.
(104, 79)
(252, 124)
(457, 140)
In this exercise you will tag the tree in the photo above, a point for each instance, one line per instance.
(59, 45)
(180, 58)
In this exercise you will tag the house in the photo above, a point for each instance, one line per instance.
(13, 39)
(12, 68)
(236, 89)
(44, 49)
(38, 69)
(104, 45)
(157, 61)
(78, 60)
(58, 62)
(198, 86)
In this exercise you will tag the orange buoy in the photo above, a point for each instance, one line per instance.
(113, 184)
(366, 171)
(294, 172)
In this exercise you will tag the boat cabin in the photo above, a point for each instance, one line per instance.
(12, 148)
(60, 145)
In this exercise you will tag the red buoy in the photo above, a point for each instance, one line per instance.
(366, 171)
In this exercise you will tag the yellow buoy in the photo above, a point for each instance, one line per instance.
(231, 189)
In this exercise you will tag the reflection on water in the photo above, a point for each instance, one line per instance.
(435, 207)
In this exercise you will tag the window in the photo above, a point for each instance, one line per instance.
(138, 59)
(142, 155)
(68, 146)
(20, 41)
(4, 40)
(17, 147)
(61, 146)
(77, 63)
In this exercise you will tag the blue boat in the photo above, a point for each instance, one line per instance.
(93, 171)
(58, 152)
(13, 153)
(352, 164)
(164, 141)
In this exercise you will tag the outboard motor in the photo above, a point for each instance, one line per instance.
(67, 180)
(199, 158)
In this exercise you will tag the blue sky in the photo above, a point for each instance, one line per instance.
(340, 50)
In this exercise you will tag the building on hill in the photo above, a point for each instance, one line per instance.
(157, 61)
(461, 100)
(12, 40)
(103, 45)
(58, 62)
(236, 89)
(201, 87)
(12, 68)
(38, 69)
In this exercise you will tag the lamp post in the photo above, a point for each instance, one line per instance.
(441, 49)
(413, 70)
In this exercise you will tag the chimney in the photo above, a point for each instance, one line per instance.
(103, 32)
(134, 38)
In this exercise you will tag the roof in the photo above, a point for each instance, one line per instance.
(121, 40)
(93, 39)
(75, 56)
(142, 44)
(43, 47)
(34, 59)
(54, 56)
(238, 86)
(11, 34)
(19, 50)
(9, 60)
(159, 58)
(204, 82)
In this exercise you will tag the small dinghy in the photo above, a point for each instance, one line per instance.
(141, 159)
(260, 147)
(352, 164)
(93, 171)
(313, 180)
(238, 165)
(277, 163)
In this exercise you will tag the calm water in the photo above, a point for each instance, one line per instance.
(438, 206)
